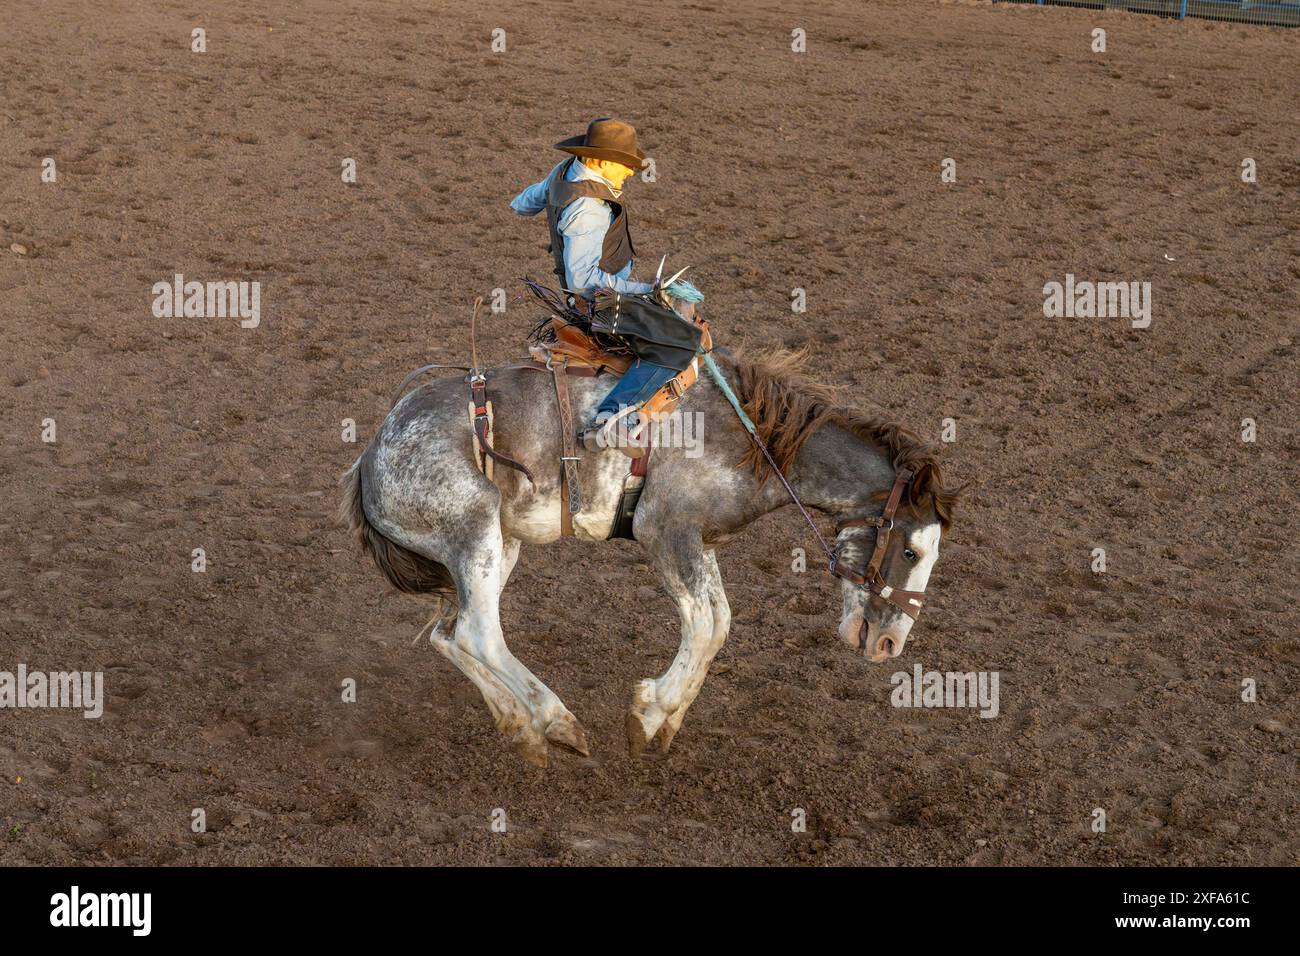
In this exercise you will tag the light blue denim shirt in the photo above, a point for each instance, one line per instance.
(583, 223)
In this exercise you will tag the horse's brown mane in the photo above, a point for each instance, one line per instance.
(788, 408)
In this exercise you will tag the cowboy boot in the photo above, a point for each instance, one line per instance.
(589, 437)
(607, 431)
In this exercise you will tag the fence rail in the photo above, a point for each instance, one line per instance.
(1277, 13)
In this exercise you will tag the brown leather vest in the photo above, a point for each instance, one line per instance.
(617, 250)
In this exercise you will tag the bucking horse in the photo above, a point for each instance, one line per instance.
(436, 524)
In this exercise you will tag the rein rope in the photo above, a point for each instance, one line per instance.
(721, 381)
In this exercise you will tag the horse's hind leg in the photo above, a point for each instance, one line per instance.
(444, 616)
(509, 557)
(524, 709)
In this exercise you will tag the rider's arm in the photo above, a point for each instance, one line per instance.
(532, 200)
(584, 224)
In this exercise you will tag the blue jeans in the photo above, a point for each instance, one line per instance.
(638, 383)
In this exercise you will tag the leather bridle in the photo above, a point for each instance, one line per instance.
(909, 602)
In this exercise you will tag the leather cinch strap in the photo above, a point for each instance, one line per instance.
(909, 602)
(570, 489)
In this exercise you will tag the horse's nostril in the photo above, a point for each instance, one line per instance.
(886, 646)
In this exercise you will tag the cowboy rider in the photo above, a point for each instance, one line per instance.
(588, 222)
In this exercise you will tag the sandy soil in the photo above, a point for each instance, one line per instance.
(775, 170)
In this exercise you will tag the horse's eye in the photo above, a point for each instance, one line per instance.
(910, 555)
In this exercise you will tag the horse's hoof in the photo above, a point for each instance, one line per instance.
(565, 731)
(636, 735)
(665, 736)
(532, 747)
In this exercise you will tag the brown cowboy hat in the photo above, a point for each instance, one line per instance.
(607, 139)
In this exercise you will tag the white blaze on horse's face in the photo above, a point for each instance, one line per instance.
(887, 627)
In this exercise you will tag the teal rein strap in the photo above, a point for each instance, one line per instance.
(722, 383)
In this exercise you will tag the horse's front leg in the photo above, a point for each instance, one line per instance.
(721, 628)
(691, 578)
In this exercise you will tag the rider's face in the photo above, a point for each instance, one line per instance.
(616, 173)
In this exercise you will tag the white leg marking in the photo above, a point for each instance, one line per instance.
(524, 708)
(660, 705)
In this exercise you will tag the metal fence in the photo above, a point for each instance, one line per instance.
(1277, 13)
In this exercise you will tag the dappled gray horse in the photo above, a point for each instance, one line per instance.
(435, 524)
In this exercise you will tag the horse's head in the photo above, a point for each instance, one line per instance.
(885, 562)
(887, 541)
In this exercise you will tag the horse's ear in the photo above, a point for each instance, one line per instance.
(927, 488)
(923, 480)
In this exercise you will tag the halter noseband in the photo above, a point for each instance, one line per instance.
(909, 602)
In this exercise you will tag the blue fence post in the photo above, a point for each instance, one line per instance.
(1182, 10)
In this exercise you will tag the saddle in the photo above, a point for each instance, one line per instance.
(565, 342)
(606, 335)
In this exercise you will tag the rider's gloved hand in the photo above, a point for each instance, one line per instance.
(681, 289)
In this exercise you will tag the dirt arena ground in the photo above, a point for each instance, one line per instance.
(1119, 691)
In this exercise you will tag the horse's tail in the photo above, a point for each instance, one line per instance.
(405, 570)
